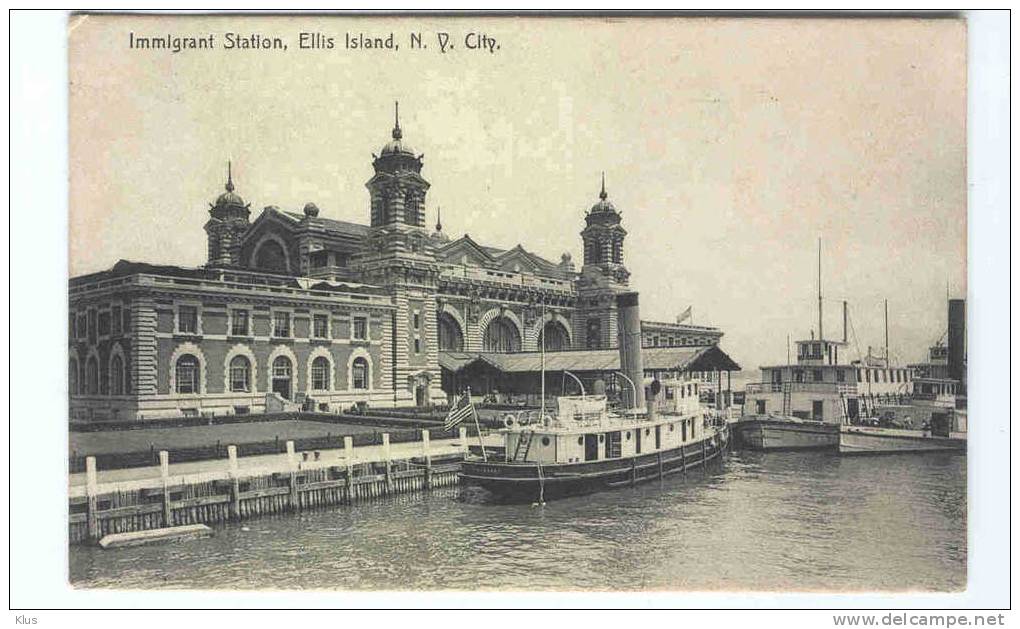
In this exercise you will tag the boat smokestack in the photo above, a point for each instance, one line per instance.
(844, 321)
(957, 340)
(631, 364)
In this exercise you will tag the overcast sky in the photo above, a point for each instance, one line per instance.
(730, 146)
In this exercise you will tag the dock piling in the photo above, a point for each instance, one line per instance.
(92, 502)
(388, 462)
(349, 459)
(235, 484)
(426, 452)
(164, 472)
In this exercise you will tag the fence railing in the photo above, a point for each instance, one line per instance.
(150, 457)
(801, 387)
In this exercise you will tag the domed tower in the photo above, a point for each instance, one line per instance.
(603, 240)
(228, 221)
(397, 189)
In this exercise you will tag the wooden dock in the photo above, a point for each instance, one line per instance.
(107, 502)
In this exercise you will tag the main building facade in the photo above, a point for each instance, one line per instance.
(293, 309)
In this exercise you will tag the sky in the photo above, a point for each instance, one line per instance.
(731, 146)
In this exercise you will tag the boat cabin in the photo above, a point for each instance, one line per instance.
(583, 429)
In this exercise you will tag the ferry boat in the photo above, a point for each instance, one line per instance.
(932, 418)
(584, 447)
(803, 405)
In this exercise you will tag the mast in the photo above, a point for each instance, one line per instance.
(542, 415)
(821, 336)
(886, 332)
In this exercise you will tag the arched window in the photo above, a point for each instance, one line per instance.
(72, 377)
(554, 336)
(117, 376)
(450, 336)
(410, 209)
(359, 373)
(501, 336)
(282, 370)
(320, 374)
(271, 256)
(92, 375)
(240, 374)
(186, 372)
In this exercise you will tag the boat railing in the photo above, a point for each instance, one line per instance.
(801, 387)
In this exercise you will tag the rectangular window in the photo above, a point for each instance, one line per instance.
(126, 323)
(417, 346)
(798, 375)
(92, 326)
(82, 327)
(840, 375)
(118, 320)
(239, 322)
(104, 324)
(359, 329)
(417, 321)
(816, 409)
(281, 324)
(759, 408)
(817, 375)
(72, 325)
(187, 320)
(320, 326)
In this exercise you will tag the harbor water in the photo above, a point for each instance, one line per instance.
(755, 521)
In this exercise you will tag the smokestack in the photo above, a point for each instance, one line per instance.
(957, 339)
(844, 321)
(631, 364)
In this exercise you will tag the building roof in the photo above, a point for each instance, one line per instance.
(703, 358)
(327, 224)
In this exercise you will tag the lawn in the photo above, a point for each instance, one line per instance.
(85, 443)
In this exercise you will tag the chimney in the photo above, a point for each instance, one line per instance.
(629, 318)
(957, 340)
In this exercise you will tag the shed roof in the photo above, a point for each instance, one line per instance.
(691, 358)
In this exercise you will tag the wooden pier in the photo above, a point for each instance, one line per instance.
(229, 490)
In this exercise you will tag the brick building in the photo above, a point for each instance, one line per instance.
(293, 309)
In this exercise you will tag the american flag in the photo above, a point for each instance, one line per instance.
(461, 409)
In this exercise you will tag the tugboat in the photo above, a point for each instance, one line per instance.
(585, 448)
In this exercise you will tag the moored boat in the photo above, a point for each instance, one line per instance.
(878, 440)
(584, 447)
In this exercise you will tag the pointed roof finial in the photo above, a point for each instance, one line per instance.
(602, 194)
(396, 121)
(439, 218)
(230, 178)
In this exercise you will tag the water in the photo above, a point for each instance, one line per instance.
(777, 521)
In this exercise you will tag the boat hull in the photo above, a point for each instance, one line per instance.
(777, 434)
(867, 440)
(529, 482)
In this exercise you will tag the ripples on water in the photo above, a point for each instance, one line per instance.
(777, 521)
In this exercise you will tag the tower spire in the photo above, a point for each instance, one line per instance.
(396, 121)
(602, 194)
(439, 218)
(230, 178)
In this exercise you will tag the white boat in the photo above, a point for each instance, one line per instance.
(877, 440)
(584, 447)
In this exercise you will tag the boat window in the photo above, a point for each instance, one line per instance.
(602, 438)
(628, 435)
(672, 427)
(580, 441)
(840, 375)
(545, 441)
(646, 432)
(817, 375)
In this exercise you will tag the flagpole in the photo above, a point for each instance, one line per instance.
(478, 429)
(541, 416)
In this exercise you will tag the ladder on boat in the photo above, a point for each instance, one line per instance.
(524, 441)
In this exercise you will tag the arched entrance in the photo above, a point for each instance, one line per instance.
(501, 336)
(554, 336)
(451, 338)
(282, 375)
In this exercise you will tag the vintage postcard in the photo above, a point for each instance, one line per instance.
(490, 303)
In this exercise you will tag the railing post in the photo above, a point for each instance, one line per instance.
(235, 484)
(426, 452)
(295, 500)
(388, 462)
(92, 500)
(164, 472)
(349, 459)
